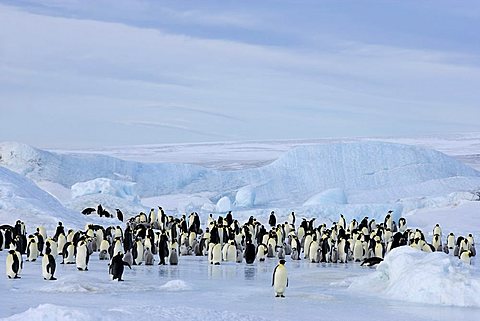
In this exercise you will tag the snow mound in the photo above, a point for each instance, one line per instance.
(53, 312)
(223, 205)
(175, 285)
(245, 197)
(117, 188)
(415, 276)
(328, 197)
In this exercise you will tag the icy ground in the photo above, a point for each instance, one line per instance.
(194, 290)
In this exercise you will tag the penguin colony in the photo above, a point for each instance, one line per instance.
(157, 235)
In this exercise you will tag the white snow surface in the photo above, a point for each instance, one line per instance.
(102, 185)
(357, 179)
(432, 278)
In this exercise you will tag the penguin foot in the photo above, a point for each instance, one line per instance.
(17, 277)
(53, 278)
(277, 296)
(282, 296)
(120, 280)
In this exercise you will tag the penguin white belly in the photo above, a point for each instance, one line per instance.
(45, 273)
(70, 254)
(104, 245)
(217, 254)
(280, 280)
(81, 258)
(379, 250)
(358, 251)
(140, 250)
(32, 251)
(118, 247)
(231, 253)
(9, 266)
(312, 251)
(261, 253)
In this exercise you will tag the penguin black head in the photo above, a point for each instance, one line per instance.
(282, 262)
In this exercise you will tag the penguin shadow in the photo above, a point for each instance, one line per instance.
(250, 272)
(168, 271)
(215, 272)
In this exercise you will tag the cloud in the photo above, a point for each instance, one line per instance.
(223, 88)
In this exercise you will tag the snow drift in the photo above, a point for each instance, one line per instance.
(21, 199)
(415, 276)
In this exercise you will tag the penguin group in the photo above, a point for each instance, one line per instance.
(156, 235)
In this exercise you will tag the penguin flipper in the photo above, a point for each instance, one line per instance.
(287, 282)
(273, 276)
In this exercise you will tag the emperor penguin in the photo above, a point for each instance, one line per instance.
(12, 265)
(465, 256)
(117, 247)
(437, 242)
(231, 252)
(173, 258)
(61, 240)
(104, 245)
(48, 265)
(117, 266)
(437, 230)
(68, 253)
(53, 247)
(128, 258)
(216, 254)
(451, 241)
(342, 250)
(295, 255)
(306, 245)
(280, 279)
(312, 252)
(291, 218)
(280, 253)
(148, 256)
(341, 221)
(261, 252)
(82, 256)
(32, 249)
(138, 250)
(358, 249)
(402, 224)
(163, 251)
(249, 253)
(379, 249)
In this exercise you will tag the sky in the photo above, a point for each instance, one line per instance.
(92, 73)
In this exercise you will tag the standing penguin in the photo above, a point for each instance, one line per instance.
(116, 267)
(48, 264)
(12, 265)
(249, 252)
(280, 279)
(272, 220)
(148, 256)
(163, 249)
(128, 257)
(82, 256)
(32, 249)
(119, 215)
(173, 259)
